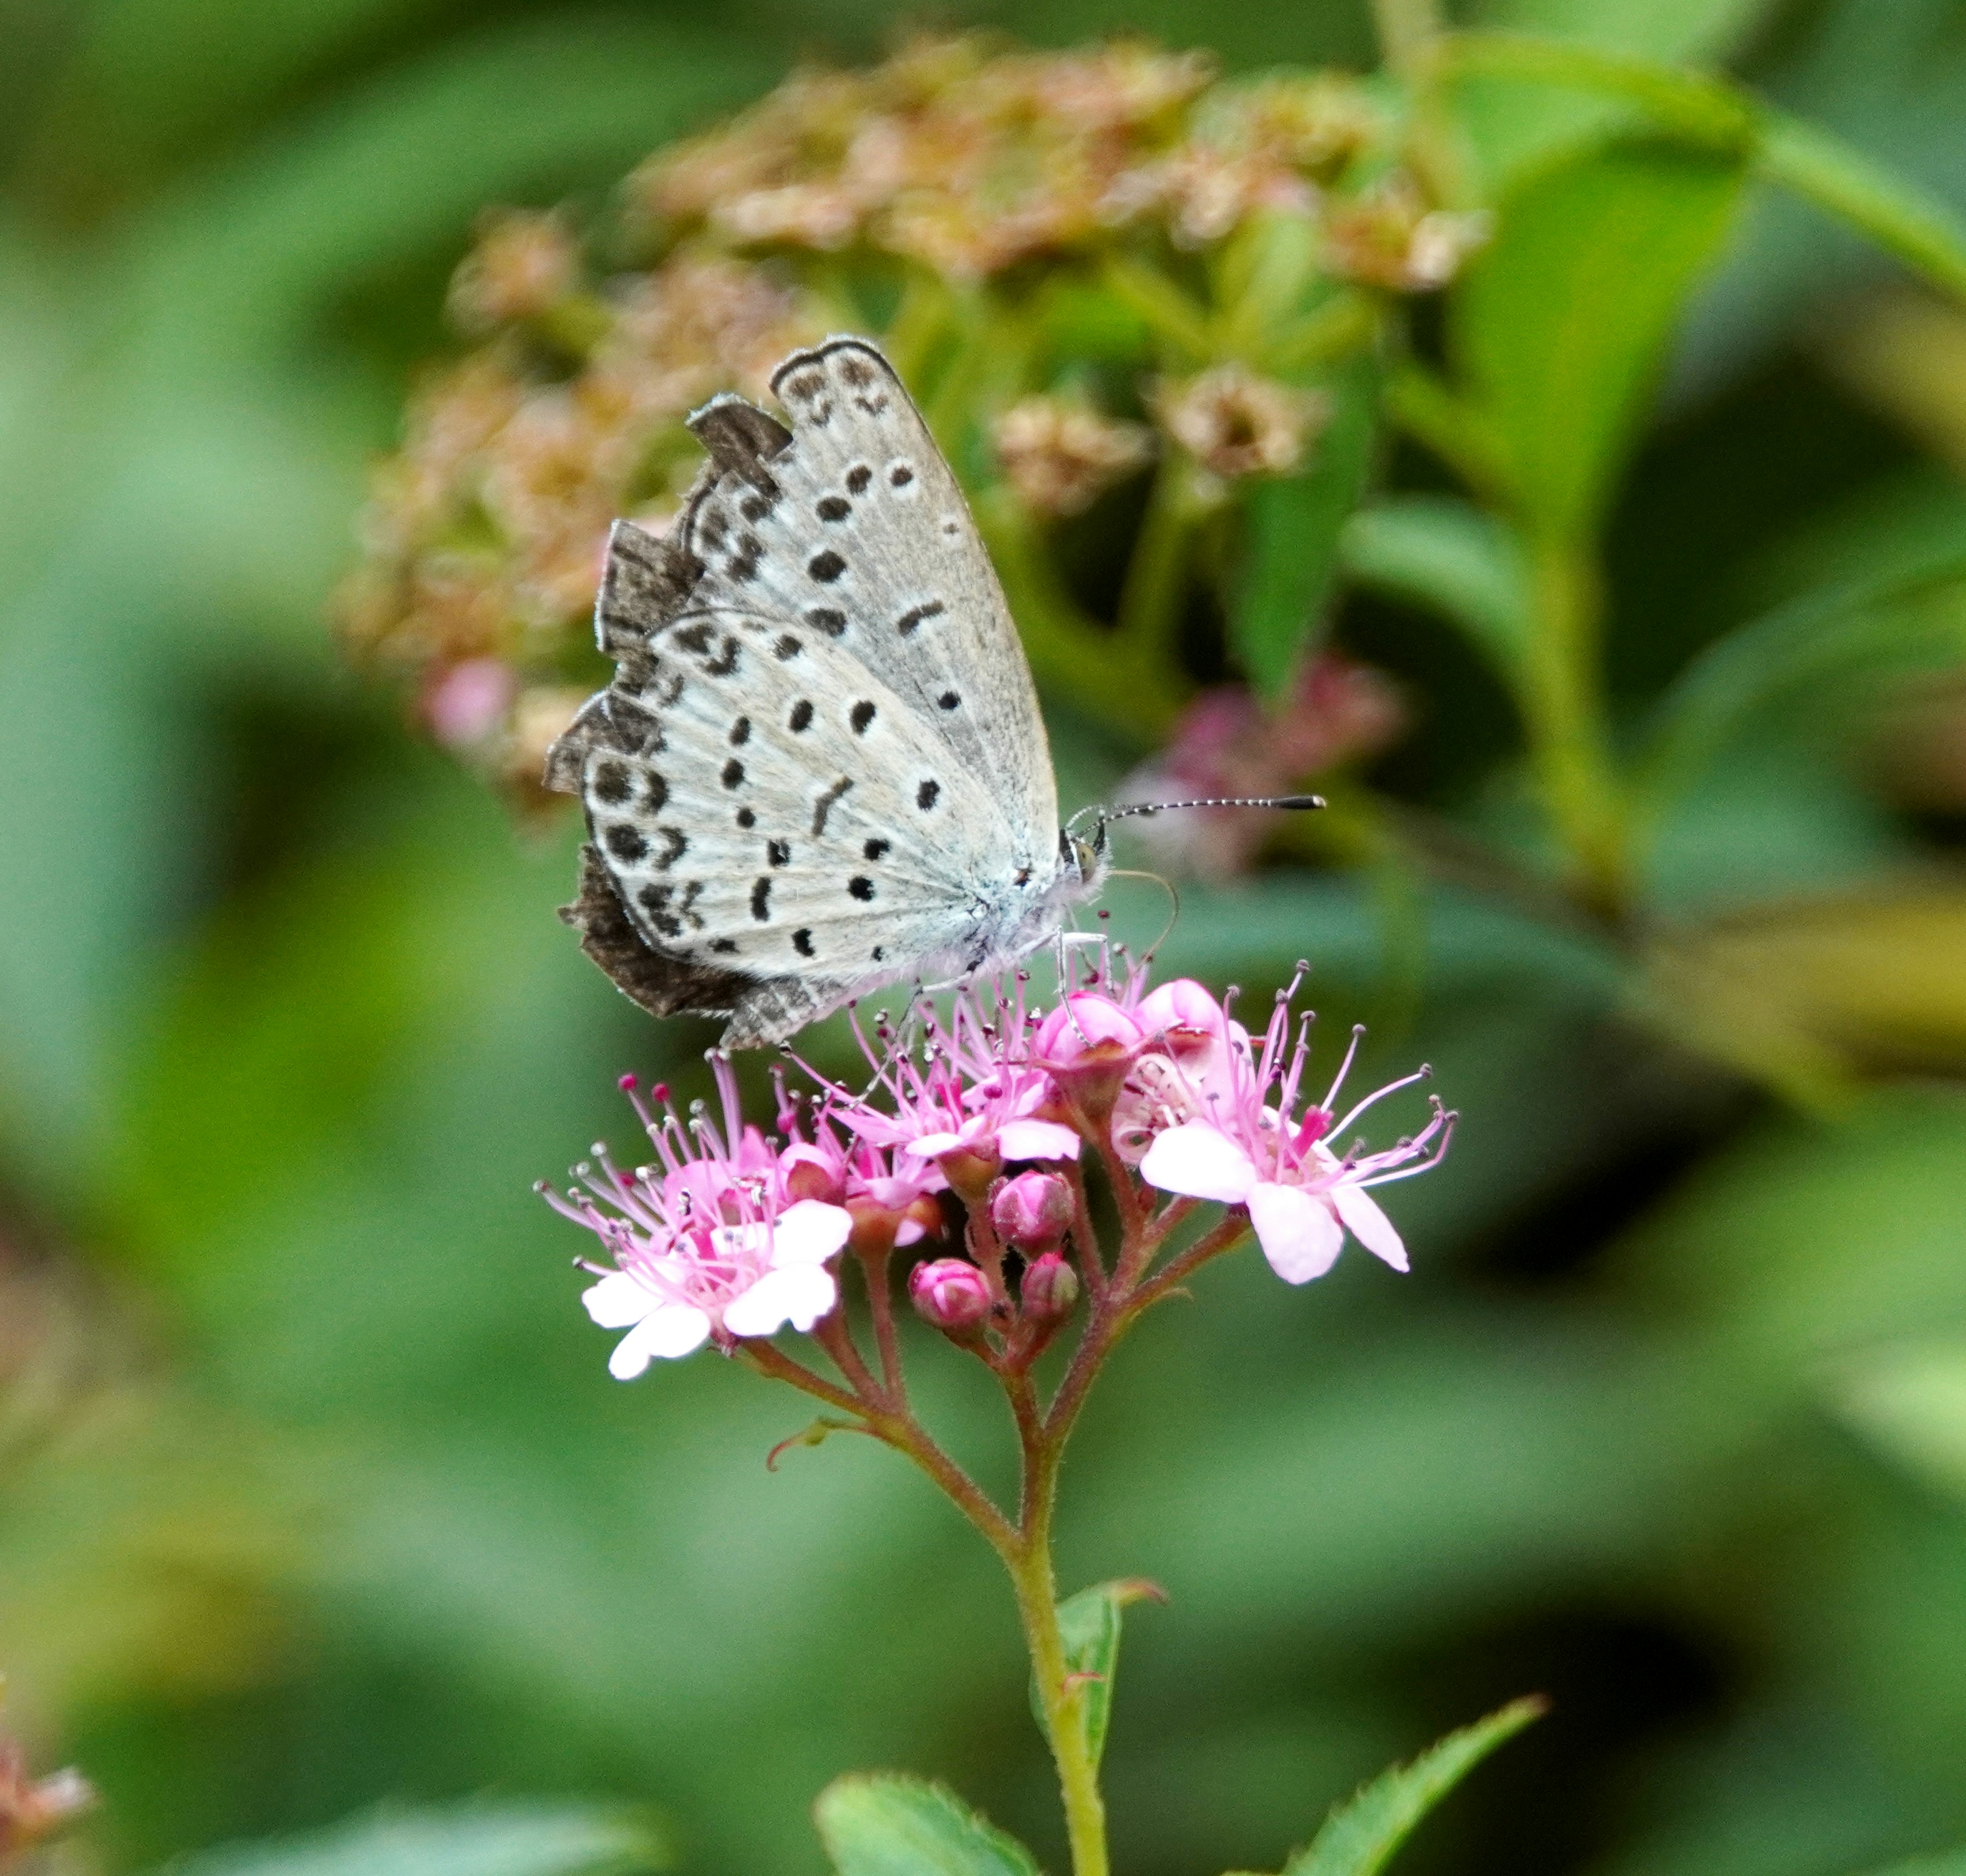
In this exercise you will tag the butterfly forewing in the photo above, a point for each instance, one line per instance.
(820, 766)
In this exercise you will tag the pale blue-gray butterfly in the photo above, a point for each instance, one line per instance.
(821, 767)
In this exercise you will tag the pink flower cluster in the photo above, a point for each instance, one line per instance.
(727, 1234)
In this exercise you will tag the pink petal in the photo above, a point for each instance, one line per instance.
(1180, 1004)
(1199, 1161)
(809, 1232)
(1036, 1140)
(617, 1300)
(1367, 1224)
(1298, 1234)
(931, 1145)
(799, 1294)
(666, 1333)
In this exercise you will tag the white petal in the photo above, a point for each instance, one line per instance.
(1036, 1140)
(809, 1232)
(1367, 1224)
(1297, 1233)
(669, 1330)
(617, 1300)
(799, 1294)
(1199, 1161)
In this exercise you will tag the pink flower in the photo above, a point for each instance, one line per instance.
(891, 1201)
(707, 1242)
(968, 1098)
(1237, 1140)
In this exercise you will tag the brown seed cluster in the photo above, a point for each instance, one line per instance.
(1235, 422)
(966, 175)
(1060, 454)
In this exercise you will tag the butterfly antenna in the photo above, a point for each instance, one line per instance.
(1107, 814)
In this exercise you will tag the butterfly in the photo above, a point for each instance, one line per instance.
(820, 766)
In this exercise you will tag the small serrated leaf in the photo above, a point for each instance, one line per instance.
(889, 1824)
(1360, 1836)
(1089, 1626)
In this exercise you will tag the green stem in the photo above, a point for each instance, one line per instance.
(1564, 708)
(1150, 599)
(1035, 1584)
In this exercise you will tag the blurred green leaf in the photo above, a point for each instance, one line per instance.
(1089, 1623)
(1946, 1863)
(504, 1838)
(888, 1824)
(1452, 558)
(1805, 993)
(1292, 526)
(1511, 128)
(1908, 1400)
(1839, 644)
(253, 255)
(1560, 323)
(1361, 1835)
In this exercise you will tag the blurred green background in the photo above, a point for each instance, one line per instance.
(313, 1490)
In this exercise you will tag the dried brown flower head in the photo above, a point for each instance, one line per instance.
(1388, 236)
(524, 265)
(1235, 422)
(1060, 456)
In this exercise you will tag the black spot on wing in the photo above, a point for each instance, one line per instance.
(823, 806)
(826, 567)
(732, 774)
(858, 477)
(861, 886)
(802, 941)
(761, 899)
(927, 794)
(800, 718)
(833, 507)
(613, 782)
(829, 620)
(861, 716)
(626, 842)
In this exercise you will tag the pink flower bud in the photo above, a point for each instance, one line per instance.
(1050, 1288)
(1031, 1211)
(950, 1294)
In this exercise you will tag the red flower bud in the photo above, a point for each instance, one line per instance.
(1050, 1288)
(1033, 1211)
(950, 1294)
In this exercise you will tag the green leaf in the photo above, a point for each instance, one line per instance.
(1452, 558)
(1560, 323)
(505, 1839)
(885, 1823)
(1907, 618)
(1292, 524)
(1361, 1835)
(1089, 1623)
(1908, 1401)
(1944, 1863)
